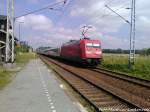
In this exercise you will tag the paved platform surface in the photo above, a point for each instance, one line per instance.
(35, 89)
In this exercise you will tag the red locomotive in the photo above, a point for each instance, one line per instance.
(85, 51)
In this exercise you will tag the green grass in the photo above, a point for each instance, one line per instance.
(23, 58)
(6, 76)
(119, 63)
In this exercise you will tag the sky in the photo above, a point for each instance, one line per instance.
(54, 27)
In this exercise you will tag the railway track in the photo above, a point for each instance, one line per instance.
(123, 76)
(104, 92)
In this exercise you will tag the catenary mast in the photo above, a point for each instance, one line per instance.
(9, 50)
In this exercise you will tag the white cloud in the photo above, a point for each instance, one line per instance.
(143, 24)
(95, 13)
(37, 22)
(44, 32)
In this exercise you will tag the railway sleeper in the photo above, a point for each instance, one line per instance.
(85, 87)
(88, 89)
(100, 99)
(79, 84)
(91, 92)
(107, 103)
(118, 108)
(97, 95)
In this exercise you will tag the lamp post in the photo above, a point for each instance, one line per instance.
(19, 34)
(20, 30)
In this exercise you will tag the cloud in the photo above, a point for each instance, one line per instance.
(143, 24)
(43, 32)
(94, 12)
(37, 22)
(54, 38)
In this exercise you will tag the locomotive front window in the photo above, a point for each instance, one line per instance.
(92, 45)
(89, 45)
(96, 46)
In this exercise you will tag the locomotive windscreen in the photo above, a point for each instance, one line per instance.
(93, 45)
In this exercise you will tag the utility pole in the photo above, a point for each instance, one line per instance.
(9, 50)
(132, 35)
(132, 30)
(10, 41)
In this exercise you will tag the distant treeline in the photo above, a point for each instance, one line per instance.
(145, 51)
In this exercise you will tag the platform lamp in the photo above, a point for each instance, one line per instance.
(19, 31)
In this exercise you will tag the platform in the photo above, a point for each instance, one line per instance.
(35, 89)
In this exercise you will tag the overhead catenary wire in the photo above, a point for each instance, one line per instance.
(107, 2)
(61, 16)
(117, 14)
(124, 6)
(62, 11)
(106, 13)
(43, 8)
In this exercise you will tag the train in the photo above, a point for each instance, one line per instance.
(84, 51)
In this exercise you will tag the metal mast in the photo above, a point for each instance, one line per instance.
(132, 31)
(132, 35)
(9, 52)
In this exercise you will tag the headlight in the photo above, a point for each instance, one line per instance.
(88, 52)
(98, 52)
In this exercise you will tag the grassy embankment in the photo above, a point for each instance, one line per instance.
(24, 58)
(7, 75)
(119, 63)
